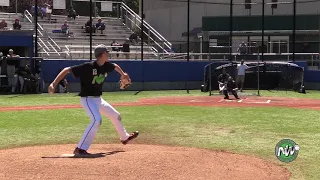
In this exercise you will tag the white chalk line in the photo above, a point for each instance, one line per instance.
(241, 101)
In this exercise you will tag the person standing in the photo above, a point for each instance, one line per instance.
(126, 49)
(92, 76)
(11, 69)
(1, 60)
(242, 49)
(241, 74)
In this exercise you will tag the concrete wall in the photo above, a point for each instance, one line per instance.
(170, 18)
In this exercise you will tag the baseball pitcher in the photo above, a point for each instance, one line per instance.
(92, 76)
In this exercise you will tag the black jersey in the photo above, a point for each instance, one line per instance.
(92, 77)
(223, 77)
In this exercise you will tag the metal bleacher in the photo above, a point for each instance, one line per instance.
(58, 46)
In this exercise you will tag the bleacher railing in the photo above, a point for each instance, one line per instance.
(313, 59)
(150, 32)
(40, 29)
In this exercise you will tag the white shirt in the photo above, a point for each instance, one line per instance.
(242, 69)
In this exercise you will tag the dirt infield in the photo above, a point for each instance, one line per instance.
(196, 101)
(134, 162)
(147, 161)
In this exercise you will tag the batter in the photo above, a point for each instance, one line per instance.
(92, 76)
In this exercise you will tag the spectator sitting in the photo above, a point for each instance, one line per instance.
(3, 24)
(87, 27)
(16, 24)
(100, 25)
(134, 37)
(116, 48)
(126, 48)
(65, 28)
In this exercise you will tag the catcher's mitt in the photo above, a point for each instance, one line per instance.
(124, 83)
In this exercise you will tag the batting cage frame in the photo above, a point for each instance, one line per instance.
(259, 76)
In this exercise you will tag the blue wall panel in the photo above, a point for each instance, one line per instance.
(16, 41)
(153, 71)
(312, 76)
(16, 38)
(147, 71)
(309, 75)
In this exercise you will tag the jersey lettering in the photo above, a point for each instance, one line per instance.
(94, 72)
(98, 79)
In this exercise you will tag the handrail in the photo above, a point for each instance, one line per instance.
(178, 56)
(88, 46)
(149, 26)
(68, 50)
(29, 16)
(39, 44)
(55, 43)
(27, 12)
(153, 50)
(132, 13)
(43, 43)
(149, 36)
(40, 32)
(44, 51)
(53, 48)
(269, 54)
(151, 30)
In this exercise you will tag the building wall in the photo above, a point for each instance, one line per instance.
(170, 18)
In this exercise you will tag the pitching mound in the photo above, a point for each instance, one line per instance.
(134, 162)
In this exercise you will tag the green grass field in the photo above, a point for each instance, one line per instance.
(252, 131)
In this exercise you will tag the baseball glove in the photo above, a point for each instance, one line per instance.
(124, 83)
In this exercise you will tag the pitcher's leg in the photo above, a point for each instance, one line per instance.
(92, 108)
(111, 113)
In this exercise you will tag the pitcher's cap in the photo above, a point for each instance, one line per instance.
(100, 49)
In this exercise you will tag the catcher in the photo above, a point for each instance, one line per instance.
(92, 76)
(227, 84)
